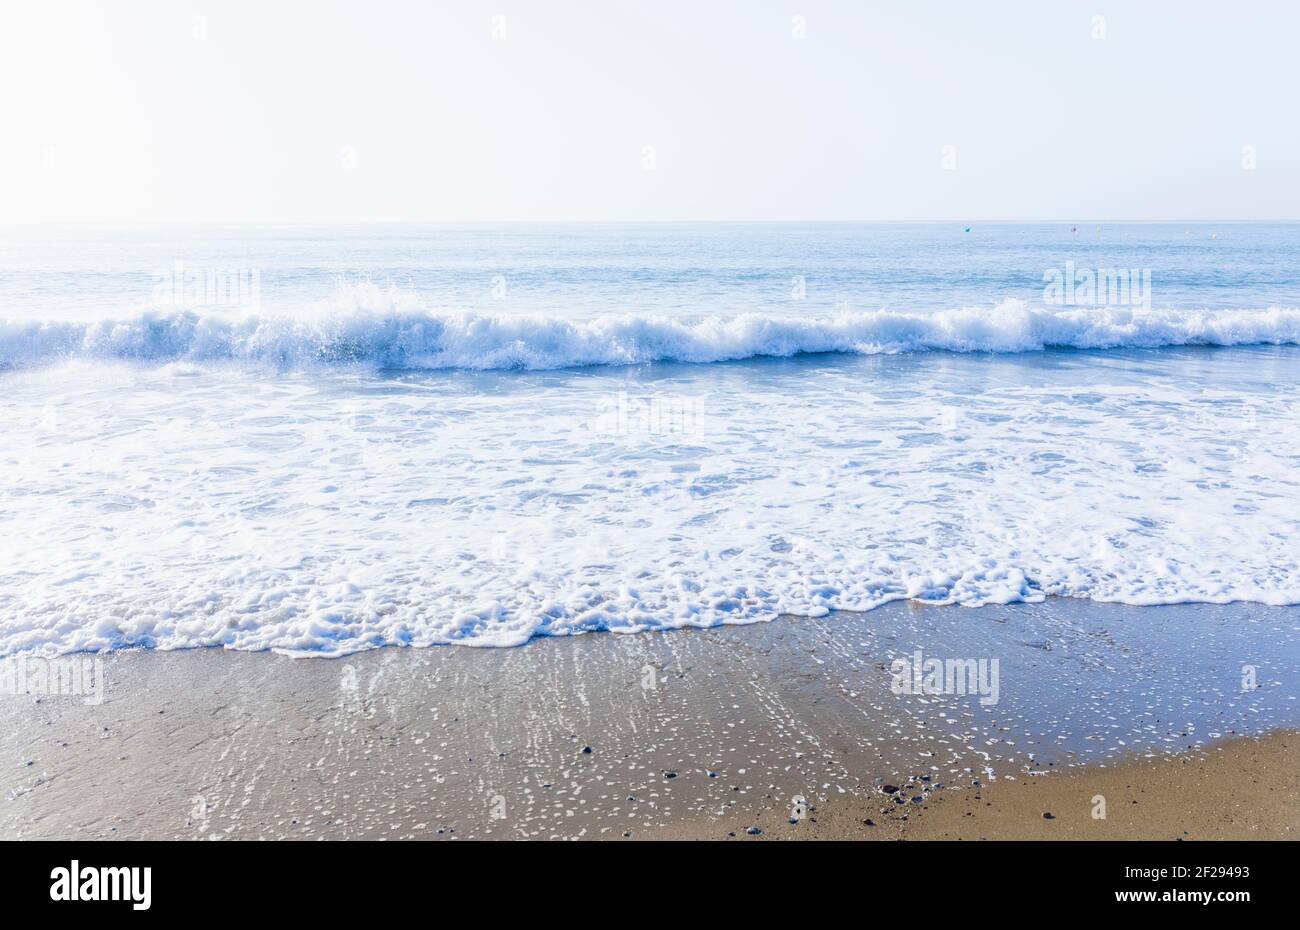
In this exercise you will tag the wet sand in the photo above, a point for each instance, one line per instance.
(689, 734)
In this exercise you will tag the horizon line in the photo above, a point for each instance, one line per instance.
(13, 224)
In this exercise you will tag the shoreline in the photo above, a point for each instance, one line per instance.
(694, 733)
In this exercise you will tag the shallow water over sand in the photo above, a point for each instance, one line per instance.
(686, 729)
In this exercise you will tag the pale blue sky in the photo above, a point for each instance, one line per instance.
(388, 110)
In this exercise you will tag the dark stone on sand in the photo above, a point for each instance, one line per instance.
(753, 831)
(889, 789)
(1048, 815)
(586, 750)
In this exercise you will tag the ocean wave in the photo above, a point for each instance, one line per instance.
(390, 334)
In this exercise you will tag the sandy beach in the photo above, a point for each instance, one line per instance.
(793, 729)
(1241, 789)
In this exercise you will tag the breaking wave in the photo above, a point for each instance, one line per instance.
(390, 333)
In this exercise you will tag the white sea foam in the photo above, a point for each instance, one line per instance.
(323, 513)
(388, 329)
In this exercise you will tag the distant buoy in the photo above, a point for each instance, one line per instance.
(968, 229)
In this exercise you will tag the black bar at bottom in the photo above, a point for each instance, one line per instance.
(335, 879)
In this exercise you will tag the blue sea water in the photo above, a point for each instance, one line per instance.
(325, 439)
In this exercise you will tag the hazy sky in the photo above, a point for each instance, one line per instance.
(751, 109)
